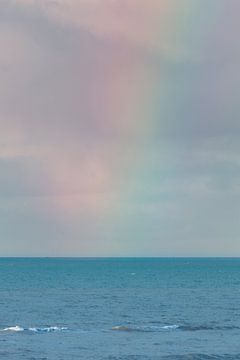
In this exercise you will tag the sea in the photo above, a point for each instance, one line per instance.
(119, 308)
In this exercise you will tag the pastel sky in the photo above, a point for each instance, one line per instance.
(119, 128)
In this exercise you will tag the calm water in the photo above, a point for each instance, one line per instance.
(119, 309)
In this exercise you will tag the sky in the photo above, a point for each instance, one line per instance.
(119, 128)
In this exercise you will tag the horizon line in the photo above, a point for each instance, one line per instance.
(121, 257)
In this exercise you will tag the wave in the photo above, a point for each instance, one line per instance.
(13, 328)
(147, 328)
(144, 328)
(207, 327)
(34, 329)
(202, 357)
(126, 328)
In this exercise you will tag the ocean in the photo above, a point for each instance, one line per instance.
(119, 308)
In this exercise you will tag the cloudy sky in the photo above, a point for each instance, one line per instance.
(119, 128)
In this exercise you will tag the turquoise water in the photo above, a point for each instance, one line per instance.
(119, 309)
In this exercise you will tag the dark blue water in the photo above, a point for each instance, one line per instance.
(119, 309)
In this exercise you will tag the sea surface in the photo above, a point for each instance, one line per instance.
(119, 308)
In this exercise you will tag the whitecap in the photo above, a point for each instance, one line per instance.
(35, 329)
(170, 327)
(48, 329)
(13, 328)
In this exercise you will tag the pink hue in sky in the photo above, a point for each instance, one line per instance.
(108, 109)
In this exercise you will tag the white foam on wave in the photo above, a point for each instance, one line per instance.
(48, 329)
(13, 328)
(35, 329)
(170, 327)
